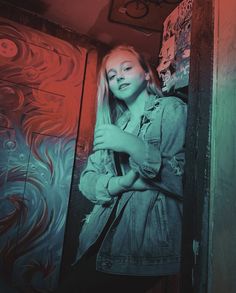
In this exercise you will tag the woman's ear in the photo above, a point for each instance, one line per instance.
(147, 76)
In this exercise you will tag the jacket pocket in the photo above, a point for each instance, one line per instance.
(162, 220)
(151, 132)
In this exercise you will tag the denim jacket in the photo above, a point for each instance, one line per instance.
(145, 235)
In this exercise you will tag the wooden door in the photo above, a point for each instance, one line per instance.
(41, 81)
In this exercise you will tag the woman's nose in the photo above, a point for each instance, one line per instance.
(120, 76)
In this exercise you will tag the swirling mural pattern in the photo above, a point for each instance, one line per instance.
(41, 80)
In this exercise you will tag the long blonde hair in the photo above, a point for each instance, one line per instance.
(109, 109)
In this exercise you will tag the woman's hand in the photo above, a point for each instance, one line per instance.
(127, 181)
(141, 185)
(123, 183)
(110, 137)
(133, 182)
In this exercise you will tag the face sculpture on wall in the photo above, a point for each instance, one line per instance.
(173, 68)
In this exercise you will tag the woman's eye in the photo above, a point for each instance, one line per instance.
(111, 77)
(127, 68)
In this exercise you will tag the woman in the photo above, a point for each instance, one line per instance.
(134, 178)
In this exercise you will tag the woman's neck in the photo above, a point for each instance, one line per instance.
(136, 106)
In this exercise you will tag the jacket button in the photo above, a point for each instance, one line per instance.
(107, 264)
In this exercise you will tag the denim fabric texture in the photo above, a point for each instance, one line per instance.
(145, 236)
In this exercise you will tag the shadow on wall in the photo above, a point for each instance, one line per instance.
(37, 6)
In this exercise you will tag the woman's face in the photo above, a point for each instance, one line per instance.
(126, 77)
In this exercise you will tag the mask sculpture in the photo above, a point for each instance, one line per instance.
(173, 68)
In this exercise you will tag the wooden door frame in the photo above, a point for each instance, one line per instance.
(197, 186)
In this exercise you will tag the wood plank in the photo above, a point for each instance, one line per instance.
(33, 110)
(223, 153)
(36, 67)
(32, 36)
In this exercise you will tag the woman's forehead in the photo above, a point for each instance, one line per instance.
(118, 57)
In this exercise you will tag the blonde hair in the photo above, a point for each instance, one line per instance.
(109, 109)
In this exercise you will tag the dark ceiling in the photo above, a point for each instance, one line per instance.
(108, 20)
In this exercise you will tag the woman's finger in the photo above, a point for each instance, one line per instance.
(132, 176)
(99, 147)
(98, 140)
(98, 133)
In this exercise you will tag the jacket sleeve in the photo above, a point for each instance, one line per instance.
(164, 142)
(94, 180)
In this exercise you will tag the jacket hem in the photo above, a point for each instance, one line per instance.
(155, 267)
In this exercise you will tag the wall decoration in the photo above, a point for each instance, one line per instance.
(41, 81)
(173, 68)
(142, 14)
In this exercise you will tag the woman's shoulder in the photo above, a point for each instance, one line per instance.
(162, 105)
(171, 100)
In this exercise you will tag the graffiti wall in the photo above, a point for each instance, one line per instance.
(41, 82)
(173, 68)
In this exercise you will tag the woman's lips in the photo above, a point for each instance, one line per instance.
(123, 86)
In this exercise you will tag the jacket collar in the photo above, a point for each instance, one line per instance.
(151, 103)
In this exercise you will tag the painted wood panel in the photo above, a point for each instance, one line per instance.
(18, 31)
(41, 82)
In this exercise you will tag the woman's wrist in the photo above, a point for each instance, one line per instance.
(130, 142)
(117, 184)
(114, 187)
(135, 147)
(121, 184)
